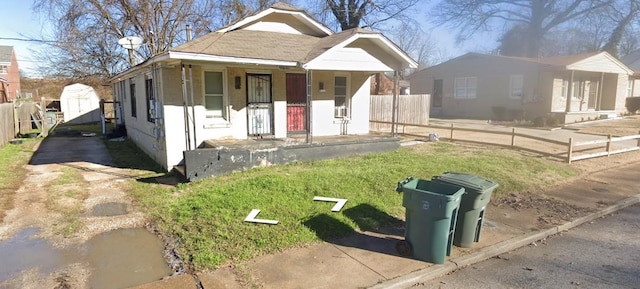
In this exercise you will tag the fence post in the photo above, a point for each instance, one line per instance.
(16, 119)
(45, 123)
(608, 144)
(513, 137)
(638, 144)
(451, 134)
(570, 150)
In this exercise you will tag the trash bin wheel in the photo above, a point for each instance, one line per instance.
(404, 248)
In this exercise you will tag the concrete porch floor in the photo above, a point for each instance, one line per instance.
(258, 143)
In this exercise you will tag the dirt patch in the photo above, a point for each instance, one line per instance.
(549, 211)
(629, 125)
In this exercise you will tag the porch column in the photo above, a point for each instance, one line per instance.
(599, 102)
(394, 113)
(309, 101)
(569, 93)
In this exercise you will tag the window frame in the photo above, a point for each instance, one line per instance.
(4, 69)
(133, 102)
(208, 114)
(347, 98)
(149, 96)
(466, 91)
(514, 92)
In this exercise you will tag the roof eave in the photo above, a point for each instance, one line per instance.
(226, 59)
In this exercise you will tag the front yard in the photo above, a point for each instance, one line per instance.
(206, 218)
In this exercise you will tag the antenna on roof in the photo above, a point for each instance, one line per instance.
(130, 43)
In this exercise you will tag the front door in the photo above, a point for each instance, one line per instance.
(259, 105)
(296, 102)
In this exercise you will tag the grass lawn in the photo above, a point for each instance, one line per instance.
(206, 217)
(12, 161)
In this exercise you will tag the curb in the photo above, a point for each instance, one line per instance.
(491, 251)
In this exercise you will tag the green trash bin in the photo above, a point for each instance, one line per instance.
(431, 210)
(472, 206)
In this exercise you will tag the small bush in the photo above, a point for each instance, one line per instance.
(499, 112)
(546, 121)
(632, 104)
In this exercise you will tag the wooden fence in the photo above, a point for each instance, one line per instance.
(15, 118)
(607, 144)
(413, 109)
(7, 123)
(564, 151)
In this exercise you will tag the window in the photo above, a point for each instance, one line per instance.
(148, 88)
(465, 87)
(132, 89)
(630, 88)
(214, 95)
(578, 89)
(341, 101)
(4, 69)
(565, 88)
(516, 82)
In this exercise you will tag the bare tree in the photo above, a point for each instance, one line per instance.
(412, 39)
(534, 19)
(86, 32)
(623, 16)
(349, 14)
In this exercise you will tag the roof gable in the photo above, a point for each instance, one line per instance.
(358, 49)
(282, 18)
(600, 62)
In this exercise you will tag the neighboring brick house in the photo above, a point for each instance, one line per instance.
(9, 74)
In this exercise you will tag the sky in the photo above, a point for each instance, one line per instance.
(18, 21)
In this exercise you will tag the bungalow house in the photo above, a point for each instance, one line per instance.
(565, 88)
(272, 75)
(9, 74)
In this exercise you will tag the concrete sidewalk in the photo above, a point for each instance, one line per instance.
(369, 259)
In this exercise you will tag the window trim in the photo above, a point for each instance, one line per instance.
(149, 96)
(347, 96)
(466, 88)
(133, 101)
(513, 89)
(209, 118)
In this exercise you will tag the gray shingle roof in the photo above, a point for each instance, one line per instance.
(5, 53)
(266, 45)
(252, 44)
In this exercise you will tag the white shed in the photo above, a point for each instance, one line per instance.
(80, 104)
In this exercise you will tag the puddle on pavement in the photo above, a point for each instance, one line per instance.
(109, 209)
(23, 252)
(117, 259)
(124, 258)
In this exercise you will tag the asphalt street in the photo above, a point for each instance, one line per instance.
(604, 253)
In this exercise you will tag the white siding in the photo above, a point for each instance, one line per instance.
(347, 59)
(598, 63)
(360, 109)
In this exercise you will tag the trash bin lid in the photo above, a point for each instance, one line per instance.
(468, 181)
